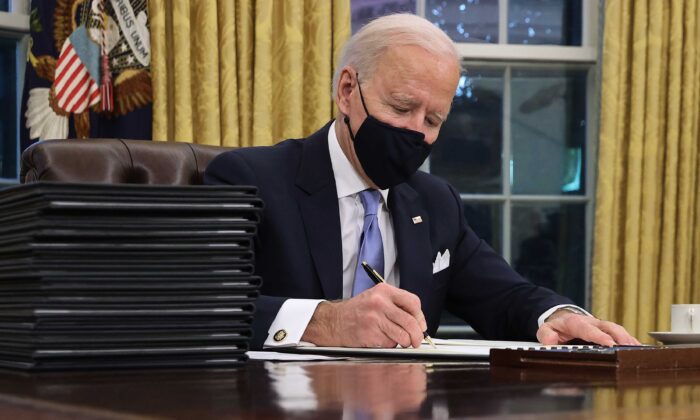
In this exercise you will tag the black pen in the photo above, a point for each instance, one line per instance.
(377, 278)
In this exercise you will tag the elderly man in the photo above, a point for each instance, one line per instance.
(351, 192)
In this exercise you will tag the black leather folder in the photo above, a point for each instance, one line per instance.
(125, 276)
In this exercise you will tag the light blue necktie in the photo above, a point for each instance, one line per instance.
(371, 247)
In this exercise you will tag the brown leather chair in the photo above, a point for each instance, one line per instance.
(117, 161)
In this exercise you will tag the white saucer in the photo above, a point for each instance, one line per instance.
(668, 337)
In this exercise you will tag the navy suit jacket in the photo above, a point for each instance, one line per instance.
(298, 247)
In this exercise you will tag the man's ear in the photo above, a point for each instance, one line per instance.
(346, 88)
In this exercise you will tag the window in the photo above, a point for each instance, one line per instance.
(362, 11)
(519, 142)
(529, 22)
(515, 146)
(14, 25)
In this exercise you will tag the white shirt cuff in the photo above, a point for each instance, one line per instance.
(291, 322)
(550, 311)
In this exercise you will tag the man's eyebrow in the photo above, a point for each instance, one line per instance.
(440, 116)
(403, 98)
(408, 100)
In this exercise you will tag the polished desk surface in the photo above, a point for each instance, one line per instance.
(350, 389)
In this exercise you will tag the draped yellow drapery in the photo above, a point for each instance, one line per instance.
(677, 399)
(647, 230)
(243, 72)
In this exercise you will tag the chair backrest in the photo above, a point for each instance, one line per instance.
(116, 161)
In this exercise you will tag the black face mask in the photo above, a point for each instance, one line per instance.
(389, 155)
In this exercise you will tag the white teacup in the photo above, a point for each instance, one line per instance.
(685, 318)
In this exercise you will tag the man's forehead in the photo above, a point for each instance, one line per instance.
(407, 60)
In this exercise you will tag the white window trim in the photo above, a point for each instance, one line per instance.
(20, 6)
(516, 52)
(14, 23)
(17, 19)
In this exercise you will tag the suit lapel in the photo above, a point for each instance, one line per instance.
(412, 243)
(318, 204)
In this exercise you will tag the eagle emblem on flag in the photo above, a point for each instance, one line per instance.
(102, 67)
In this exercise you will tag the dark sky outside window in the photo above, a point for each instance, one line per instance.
(364, 11)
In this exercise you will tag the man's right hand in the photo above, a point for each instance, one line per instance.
(381, 316)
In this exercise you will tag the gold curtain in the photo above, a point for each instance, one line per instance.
(647, 230)
(243, 72)
(676, 398)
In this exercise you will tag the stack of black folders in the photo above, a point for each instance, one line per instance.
(126, 276)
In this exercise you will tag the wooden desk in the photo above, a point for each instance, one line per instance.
(360, 389)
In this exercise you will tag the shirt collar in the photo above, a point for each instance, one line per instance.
(347, 180)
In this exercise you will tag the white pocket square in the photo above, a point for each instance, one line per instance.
(442, 261)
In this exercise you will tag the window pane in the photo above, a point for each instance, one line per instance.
(8, 97)
(487, 222)
(468, 150)
(465, 20)
(363, 11)
(4, 5)
(548, 131)
(552, 22)
(548, 246)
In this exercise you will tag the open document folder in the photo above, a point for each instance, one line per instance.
(457, 349)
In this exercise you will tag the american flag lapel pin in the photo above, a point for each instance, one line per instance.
(417, 220)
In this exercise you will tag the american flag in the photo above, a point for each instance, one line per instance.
(76, 82)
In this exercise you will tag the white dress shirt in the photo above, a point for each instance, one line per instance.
(295, 314)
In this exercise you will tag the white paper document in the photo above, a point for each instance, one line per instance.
(275, 356)
(457, 349)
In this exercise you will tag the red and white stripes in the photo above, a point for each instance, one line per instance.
(74, 88)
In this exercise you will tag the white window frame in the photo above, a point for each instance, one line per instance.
(15, 25)
(520, 55)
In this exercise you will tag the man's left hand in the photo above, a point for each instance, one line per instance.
(563, 326)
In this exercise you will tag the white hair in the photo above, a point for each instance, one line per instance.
(363, 50)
